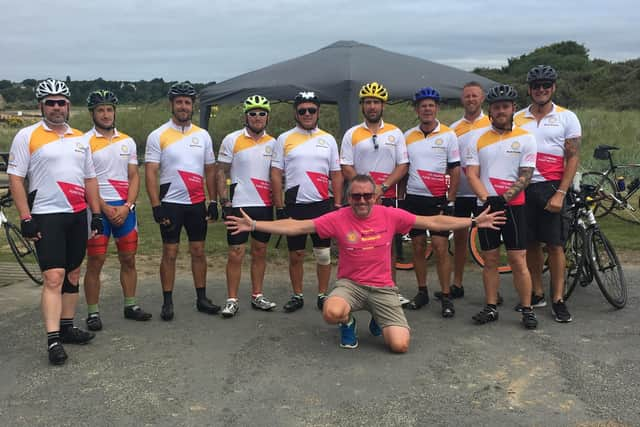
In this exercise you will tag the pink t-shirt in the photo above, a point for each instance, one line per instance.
(365, 243)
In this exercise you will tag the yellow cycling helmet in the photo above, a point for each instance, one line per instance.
(374, 90)
(257, 102)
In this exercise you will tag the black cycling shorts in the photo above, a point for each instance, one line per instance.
(192, 217)
(425, 206)
(542, 225)
(465, 206)
(259, 213)
(64, 240)
(307, 211)
(513, 232)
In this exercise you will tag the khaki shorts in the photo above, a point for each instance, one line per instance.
(383, 303)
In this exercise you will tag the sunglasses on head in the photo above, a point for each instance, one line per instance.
(360, 196)
(374, 139)
(303, 111)
(58, 102)
(538, 85)
(257, 113)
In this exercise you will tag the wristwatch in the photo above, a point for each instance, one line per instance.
(384, 188)
(131, 206)
(474, 224)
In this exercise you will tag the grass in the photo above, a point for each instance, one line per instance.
(599, 127)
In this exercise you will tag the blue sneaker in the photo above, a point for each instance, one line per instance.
(374, 328)
(348, 337)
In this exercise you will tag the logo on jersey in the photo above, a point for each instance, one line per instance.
(263, 188)
(515, 148)
(322, 143)
(439, 141)
(515, 145)
(195, 142)
(124, 149)
(74, 194)
(268, 151)
(553, 120)
(321, 182)
(79, 148)
(352, 237)
(391, 139)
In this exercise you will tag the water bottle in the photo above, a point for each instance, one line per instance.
(620, 183)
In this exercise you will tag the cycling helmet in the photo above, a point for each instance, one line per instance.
(542, 72)
(501, 93)
(101, 96)
(52, 87)
(256, 101)
(374, 90)
(182, 89)
(426, 93)
(305, 97)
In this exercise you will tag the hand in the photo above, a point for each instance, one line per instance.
(227, 211)
(212, 211)
(281, 213)
(160, 214)
(238, 225)
(29, 229)
(449, 209)
(120, 215)
(109, 211)
(497, 203)
(491, 220)
(554, 204)
(97, 227)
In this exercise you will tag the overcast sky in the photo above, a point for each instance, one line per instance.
(215, 40)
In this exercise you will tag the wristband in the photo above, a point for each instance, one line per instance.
(474, 224)
(561, 191)
(253, 225)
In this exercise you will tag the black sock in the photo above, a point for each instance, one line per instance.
(53, 337)
(167, 297)
(495, 307)
(422, 289)
(66, 324)
(445, 296)
(201, 293)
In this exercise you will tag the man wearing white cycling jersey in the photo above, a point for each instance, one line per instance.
(557, 132)
(57, 161)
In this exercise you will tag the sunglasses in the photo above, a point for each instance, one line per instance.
(360, 196)
(538, 85)
(303, 111)
(257, 113)
(58, 102)
(374, 139)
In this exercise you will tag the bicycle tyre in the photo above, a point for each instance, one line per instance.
(24, 252)
(605, 187)
(606, 268)
(574, 252)
(476, 253)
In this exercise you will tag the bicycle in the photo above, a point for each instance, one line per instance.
(589, 254)
(612, 193)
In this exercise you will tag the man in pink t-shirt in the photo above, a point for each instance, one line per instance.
(364, 233)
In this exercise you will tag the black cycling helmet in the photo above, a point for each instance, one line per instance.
(501, 93)
(182, 89)
(101, 96)
(542, 72)
(305, 97)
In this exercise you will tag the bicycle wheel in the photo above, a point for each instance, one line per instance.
(24, 252)
(630, 211)
(604, 190)
(574, 252)
(476, 253)
(606, 268)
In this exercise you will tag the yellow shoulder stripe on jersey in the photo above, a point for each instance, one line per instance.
(560, 109)
(414, 136)
(444, 128)
(387, 128)
(491, 137)
(41, 137)
(171, 136)
(359, 135)
(97, 144)
(294, 140)
(520, 119)
(243, 142)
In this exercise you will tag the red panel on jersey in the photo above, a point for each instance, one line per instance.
(378, 178)
(122, 187)
(434, 181)
(74, 194)
(502, 185)
(264, 190)
(551, 167)
(194, 184)
(321, 181)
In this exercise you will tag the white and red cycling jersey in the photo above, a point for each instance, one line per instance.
(463, 128)
(182, 154)
(307, 159)
(111, 158)
(374, 154)
(250, 165)
(57, 167)
(429, 157)
(550, 133)
(500, 156)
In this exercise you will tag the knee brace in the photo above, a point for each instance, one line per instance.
(68, 288)
(322, 255)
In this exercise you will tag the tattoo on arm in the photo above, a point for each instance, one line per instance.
(524, 177)
(571, 147)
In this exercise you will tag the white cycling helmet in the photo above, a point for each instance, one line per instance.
(50, 87)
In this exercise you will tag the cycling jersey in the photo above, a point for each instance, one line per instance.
(500, 155)
(550, 133)
(463, 128)
(307, 159)
(111, 158)
(57, 167)
(182, 154)
(428, 159)
(376, 155)
(250, 165)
